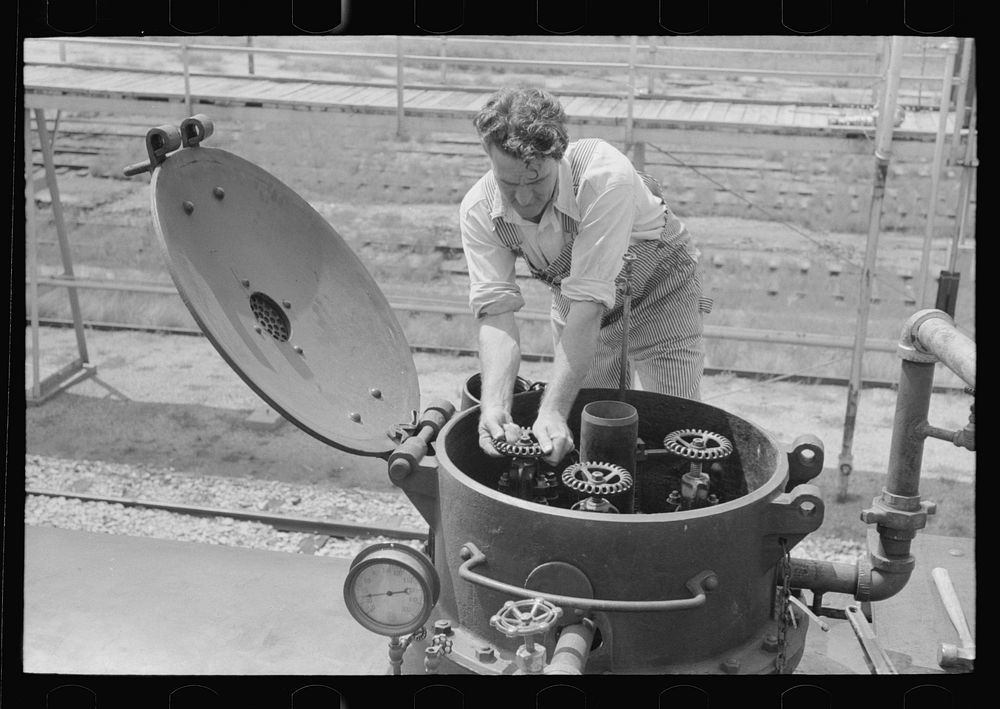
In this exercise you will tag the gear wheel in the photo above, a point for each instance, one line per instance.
(600, 479)
(712, 447)
(525, 447)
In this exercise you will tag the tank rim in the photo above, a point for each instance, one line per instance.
(774, 483)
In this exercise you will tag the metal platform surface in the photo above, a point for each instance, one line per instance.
(110, 604)
(101, 604)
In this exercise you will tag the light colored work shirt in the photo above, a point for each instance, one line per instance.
(612, 208)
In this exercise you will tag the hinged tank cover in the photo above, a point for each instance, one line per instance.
(284, 300)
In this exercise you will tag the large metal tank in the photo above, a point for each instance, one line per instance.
(684, 591)
(650, 589)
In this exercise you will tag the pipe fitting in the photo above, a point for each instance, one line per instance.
(899, 513)
(909, 346)
(572, 649)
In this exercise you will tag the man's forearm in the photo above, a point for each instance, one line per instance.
(500, 360)
(574, 354)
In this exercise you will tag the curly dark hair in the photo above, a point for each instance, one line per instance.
(525, 123)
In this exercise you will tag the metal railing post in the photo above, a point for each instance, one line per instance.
(633, 48)
(186, 63)
(250, 57)
(963, 84)
(883, 145)
(31, 234)
(399, 86)
(444, 64)
(936, 166)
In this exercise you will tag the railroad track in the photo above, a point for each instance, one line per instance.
(281, 523)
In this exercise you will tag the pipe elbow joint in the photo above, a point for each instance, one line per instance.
(909, 347)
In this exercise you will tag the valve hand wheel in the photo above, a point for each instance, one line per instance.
(526, 617)
(695, 444)
(525, 447)
(600, 479)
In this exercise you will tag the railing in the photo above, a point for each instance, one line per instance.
(627, 70)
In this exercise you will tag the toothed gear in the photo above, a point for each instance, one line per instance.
(525, 447)
(682, 443)
(600, 479)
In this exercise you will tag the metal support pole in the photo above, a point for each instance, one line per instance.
(652, 72)
(965, 190)
(925, 252)
(250, 57)
(399, 86)
(57, 214)
(444, 64)
(883, 145)
(633, 48)
(31, 233)
(186, 62)
(963, 86)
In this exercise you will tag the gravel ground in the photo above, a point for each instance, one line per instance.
(170, 486)
(243, 494)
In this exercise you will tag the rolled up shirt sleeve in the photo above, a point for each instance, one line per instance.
(601, 242)
(492, 287)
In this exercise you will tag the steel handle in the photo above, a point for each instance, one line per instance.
(699, 585)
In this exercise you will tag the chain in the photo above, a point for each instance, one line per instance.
(784, 610)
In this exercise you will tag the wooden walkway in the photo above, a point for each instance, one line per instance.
(744, 123)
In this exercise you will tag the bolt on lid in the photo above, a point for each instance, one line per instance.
(284, 300)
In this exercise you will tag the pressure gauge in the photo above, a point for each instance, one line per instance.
(391, 588)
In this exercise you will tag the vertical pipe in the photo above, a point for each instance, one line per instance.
(906, 450)
(883, 144)
(399, 86)
(444, 65)
(608, 434)
(32, 236)
(963, 84)
(250, 57)
(186, 62)
(936, 166)
(652, 61)
(633, 48)
(57, 214)
(965, 191)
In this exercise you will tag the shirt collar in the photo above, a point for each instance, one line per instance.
(564, 202)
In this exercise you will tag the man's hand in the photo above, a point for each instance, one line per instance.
(495, 422)
(553, 436)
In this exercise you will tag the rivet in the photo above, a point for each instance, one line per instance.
(286, 304)
(297, 349)
(219, 193)
(731, 666)
(188, 206)
(377, 393)
(355, 417)
(256, 328)
(245, 283)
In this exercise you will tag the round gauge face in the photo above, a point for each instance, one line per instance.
(389, 596)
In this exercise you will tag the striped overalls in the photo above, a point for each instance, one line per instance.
(666, 348)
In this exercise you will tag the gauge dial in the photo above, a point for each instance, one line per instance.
(391, 589)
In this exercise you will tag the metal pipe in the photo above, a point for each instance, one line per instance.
(933, 333)
(608, 434)
(936, 172)
(31, 229)
(965, 187)
(963, 83)
(572, 650)
(57, 215)
(883, 144)
(399, 86)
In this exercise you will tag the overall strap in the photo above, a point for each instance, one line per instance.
(510, 235)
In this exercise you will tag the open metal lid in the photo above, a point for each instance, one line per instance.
(284, 300)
